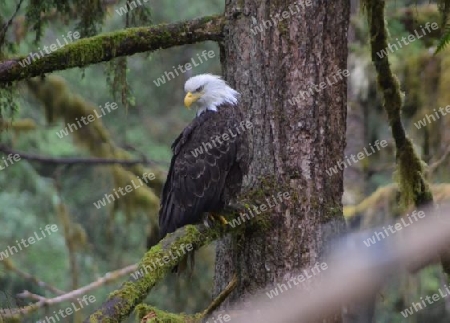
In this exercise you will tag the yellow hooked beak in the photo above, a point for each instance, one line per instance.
(191, 98)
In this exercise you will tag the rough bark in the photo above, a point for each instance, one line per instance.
(107, 46)
(292, 144)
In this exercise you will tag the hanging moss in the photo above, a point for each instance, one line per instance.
(61, 104)
(412, 183)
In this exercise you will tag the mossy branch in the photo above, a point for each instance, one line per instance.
(107, 46)
(412, 183)
(147, 313)
(122, 302)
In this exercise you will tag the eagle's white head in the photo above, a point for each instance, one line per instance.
(207, 92)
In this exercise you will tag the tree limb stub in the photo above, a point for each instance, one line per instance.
(122, 302)
(107, 46)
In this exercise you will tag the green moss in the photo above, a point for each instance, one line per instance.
(410, 177)
(283, 27)
(332, 213)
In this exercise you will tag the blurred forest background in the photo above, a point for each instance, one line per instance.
(92, 241)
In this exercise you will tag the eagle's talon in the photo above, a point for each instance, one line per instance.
(223, 220)
(212, 218)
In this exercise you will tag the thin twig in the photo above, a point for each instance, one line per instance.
(222, 296)
(8, 24)
(12, 267)
(437, 163)
(43, 301)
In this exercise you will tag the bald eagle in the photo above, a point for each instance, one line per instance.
(209, 156)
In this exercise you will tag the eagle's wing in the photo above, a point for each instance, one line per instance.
(197, 176)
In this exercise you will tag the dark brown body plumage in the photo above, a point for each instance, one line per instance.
(204, 174)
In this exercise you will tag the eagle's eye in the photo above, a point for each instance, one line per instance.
(199, 89)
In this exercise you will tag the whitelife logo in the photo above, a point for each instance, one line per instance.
(9, 160)
(418, 306)
(167, 76)
(128, 189)
(275, 19)
(219, 319)
(225, 137)
(53, 47)
(86, 119)
(262, 207)
(403, 223)
(300, 279)
(393, 47)
(8, 252)
(361, 155)
(84, 301)
(429, 117)
(330, 81)
(132, 4)
(158, 262)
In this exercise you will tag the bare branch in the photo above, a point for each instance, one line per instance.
(107, 46)
(74, 160)
(438, 162)
(8, 24)
(8, 264)
(42, 301)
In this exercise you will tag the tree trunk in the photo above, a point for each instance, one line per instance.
(295, 137)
